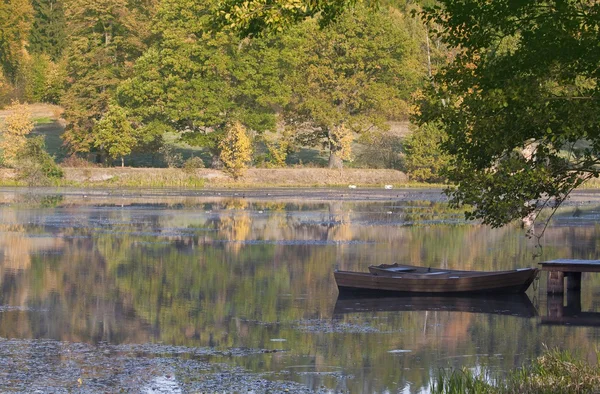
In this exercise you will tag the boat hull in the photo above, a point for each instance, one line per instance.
(445, 282)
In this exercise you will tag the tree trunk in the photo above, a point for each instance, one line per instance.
(122, 162)
(334, 160)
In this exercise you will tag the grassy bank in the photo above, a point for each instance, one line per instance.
(553, 372)
(207, 178)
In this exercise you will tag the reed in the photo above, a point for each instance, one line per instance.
(554, 372)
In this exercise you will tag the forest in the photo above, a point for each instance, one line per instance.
(145, 77)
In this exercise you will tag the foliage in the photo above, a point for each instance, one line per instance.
(192, 164)
(113, 134)
(519, 103)
(252, 17)
(35, 165)
(424, 157)
(353, 75)
(195, 82)
(14, 135)
(15, 23)
(236, 150)
(48, 30)
(106, 36)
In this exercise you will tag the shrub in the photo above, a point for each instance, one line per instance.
(192, 164)
(35, 166)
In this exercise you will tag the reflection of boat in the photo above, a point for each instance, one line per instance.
(412, 279)
(511, 304)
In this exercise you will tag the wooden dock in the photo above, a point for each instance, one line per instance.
(560, 269)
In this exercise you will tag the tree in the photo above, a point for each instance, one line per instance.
(520, 103)
(352, 76)
(48, 32)
(114, 135)
(236, 150)
(106, 36)
(18, 125)
(195, 82)
(424, 157)
(15, 24)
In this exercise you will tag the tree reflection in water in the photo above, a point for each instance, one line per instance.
(231, 272)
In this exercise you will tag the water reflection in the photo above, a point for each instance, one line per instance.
(227, 272)
(513, 305)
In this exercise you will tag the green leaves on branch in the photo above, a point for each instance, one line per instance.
(257, 17)
(520, 102)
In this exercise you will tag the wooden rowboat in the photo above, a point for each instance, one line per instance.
(401, 278)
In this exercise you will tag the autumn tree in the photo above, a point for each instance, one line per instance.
(350, 77)
(15, 24)
(236, 150)
(18, 125)
(113, 134)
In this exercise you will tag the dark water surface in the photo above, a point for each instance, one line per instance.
(135, 291)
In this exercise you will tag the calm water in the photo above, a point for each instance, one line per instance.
(238, 274)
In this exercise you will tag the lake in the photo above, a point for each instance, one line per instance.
(167, 291)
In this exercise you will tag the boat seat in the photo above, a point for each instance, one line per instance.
(399, 269)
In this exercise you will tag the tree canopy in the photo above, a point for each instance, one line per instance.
(353, 76)
(520, 103)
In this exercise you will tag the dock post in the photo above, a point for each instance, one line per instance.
(573, 302)
(556, 282)
(555, 306)
(573, 280)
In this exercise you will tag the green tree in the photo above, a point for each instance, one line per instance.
(520, 103)
(424, 157)
(355, 74)
(106, 36)
(114, 135)
(236, 150)
(195, 82)
(48, 32)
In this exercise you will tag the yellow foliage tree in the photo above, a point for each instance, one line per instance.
(17, 125)
(341, 139)
(236, 150)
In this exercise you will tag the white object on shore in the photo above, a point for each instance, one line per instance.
(351, 186)
(388, 187)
